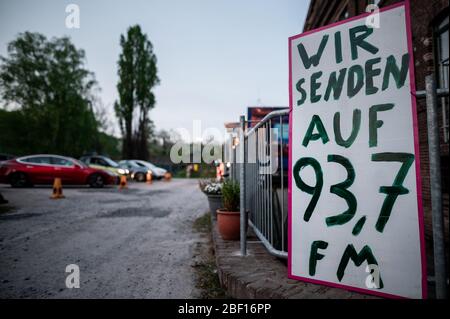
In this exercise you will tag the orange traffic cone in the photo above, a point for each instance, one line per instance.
(167, 176)
(123, 182)
(57, 189)
(149, 177)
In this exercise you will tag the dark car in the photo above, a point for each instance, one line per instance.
(137, 172)
(44, 168)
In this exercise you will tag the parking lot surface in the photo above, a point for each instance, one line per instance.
(131, 243)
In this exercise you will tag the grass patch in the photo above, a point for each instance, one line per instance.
(207, 279)
(203, 223)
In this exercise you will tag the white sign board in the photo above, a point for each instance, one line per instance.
(354, 189)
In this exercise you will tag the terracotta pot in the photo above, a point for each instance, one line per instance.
(228, 224)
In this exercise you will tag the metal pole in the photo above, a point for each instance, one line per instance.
(270, 168)
(282, 183)
(231, 172)
(257, 212)
(440, 268)
(242, 186)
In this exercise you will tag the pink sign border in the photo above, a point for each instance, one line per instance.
(406, 4)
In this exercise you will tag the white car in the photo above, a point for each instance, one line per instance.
(157, 172)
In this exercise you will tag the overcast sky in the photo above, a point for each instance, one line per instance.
(215, 57)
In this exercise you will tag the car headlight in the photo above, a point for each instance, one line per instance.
(122, 171)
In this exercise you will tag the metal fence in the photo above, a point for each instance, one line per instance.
(265, 179)
(444, 100)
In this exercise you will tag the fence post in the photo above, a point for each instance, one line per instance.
(440, 268)
(242, 186)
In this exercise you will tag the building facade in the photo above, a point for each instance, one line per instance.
(430, 30)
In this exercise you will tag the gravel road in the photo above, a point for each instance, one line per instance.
(134, 243)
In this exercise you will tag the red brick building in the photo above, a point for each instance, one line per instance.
(429, 22)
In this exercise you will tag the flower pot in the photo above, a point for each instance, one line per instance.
(228, 224)
(215, 202)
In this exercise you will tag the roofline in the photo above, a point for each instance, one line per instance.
(307, 14)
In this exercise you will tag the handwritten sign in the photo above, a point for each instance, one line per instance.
(355, 196)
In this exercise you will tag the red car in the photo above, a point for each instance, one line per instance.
(44, 168)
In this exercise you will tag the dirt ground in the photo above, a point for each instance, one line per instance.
(134, 243)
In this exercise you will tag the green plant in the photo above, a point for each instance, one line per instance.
(53, 96)
(137, 72)
(231, 195)
(202, 183)
(210, 186)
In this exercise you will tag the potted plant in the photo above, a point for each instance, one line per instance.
(228, 217)
(213, 190)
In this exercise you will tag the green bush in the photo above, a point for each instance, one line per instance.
(231, 195)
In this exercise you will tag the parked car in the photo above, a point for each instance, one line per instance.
(137, 172)
(104, 163)
(157, 172)
(44, 168)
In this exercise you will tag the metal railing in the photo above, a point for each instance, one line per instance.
(431, 95)
(443, 84)
(263, 179)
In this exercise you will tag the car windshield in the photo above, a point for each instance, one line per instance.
(80, 163)
(147, 164)
(133, 164)
(110, 162)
